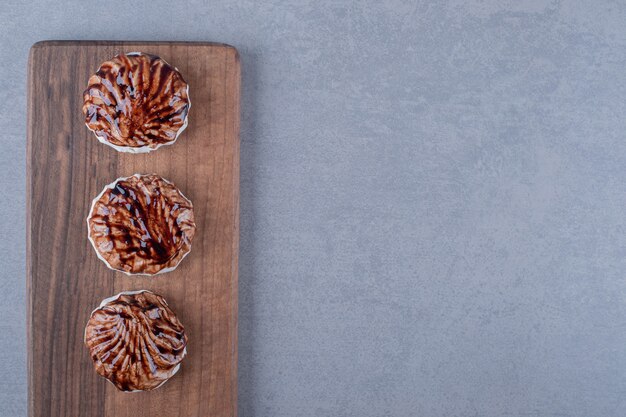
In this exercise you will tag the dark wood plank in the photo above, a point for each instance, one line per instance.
(67, 168)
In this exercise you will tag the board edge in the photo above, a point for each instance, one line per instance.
(236, 195)
(34, 49)
(55, 43)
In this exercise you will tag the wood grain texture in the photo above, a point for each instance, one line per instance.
(67, 168)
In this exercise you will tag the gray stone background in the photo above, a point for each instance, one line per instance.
(433, 199)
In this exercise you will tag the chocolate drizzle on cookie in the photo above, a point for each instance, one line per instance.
(141, 225)
(136, 102)
(135, 341)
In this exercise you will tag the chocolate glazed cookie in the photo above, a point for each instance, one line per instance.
(135, 340)
(136, 103)
(141, 224)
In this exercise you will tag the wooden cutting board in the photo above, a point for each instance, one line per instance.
(67, 168)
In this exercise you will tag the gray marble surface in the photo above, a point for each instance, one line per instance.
(433, 199)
